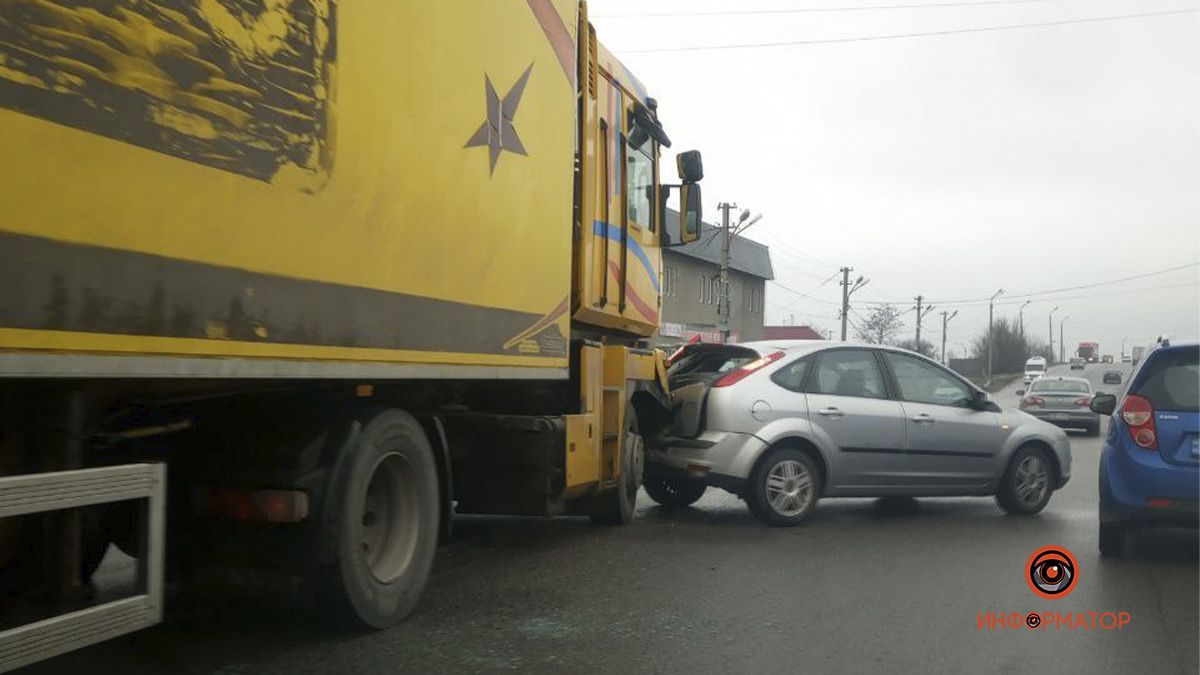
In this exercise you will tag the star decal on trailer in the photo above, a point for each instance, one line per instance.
(497, 131)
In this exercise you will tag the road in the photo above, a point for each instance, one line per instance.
(867, 585)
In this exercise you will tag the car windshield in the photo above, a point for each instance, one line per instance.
(1172, 381)
(1065, 386)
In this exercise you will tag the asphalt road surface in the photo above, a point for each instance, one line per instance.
(866, 585)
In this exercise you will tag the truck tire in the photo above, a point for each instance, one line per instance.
(616, 506)
(386, 524)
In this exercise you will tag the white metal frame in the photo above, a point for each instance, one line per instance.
(38, 493)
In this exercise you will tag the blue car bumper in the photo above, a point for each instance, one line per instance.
(1136, 485)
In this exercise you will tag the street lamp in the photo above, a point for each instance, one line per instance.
(991, 334)
(1050, 345)
(1062, 353)
(1021, 316)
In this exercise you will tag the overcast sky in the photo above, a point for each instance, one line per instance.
(949, 166)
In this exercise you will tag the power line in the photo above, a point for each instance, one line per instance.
(805, 10)
(812, 290)
(803, 295)
(1021, 296)
(898, 36)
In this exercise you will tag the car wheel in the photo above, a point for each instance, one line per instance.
(1094, 429)
(1112, 540)
(1027, 483)
(674, 493)
(784, 488)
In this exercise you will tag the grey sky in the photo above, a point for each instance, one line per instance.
(949, 166)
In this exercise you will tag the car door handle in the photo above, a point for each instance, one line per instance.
(923, 419)
(830, 412)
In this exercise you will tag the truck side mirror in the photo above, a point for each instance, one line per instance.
(690, 166)
(690, 213)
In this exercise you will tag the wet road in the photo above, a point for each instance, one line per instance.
(865, 586)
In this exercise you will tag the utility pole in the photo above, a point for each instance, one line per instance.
(991, 335)
(848, 289)
(1021, 316)
(921, 315)
(728, 232)
(726, 237)
(945, 320)
(1062, 353)
(1050, 345)
(845, 298)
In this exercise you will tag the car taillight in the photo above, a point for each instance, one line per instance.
(1033, 400)
(1139, 416)
(1084, 402)
(735, 376)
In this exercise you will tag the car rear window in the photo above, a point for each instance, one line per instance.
(1172, 381)
(1035, 367)
(1069, 386)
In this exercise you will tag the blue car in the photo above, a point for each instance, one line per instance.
(1150, 465)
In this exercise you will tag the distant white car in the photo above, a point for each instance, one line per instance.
(1035, 367)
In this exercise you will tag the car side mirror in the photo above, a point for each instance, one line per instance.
(979, 400)
(690, 213)
(1103, 403)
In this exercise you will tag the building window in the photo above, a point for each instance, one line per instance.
(756, 301)
(670, 281)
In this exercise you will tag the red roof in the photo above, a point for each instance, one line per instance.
(791, 333)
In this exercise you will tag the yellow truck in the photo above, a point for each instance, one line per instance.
(316, 275)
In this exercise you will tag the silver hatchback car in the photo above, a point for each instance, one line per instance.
(1063, 401)
(784, 423)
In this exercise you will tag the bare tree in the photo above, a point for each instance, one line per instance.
(881, 326)
(926, 348)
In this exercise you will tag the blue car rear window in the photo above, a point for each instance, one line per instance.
(1172, 381)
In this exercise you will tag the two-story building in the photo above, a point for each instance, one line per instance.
(691, 288)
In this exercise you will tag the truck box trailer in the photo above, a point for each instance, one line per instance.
(1088, 351)
(334, 271)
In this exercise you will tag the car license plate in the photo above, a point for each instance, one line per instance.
(1058, 416)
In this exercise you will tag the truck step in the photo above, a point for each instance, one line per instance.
(41, 492)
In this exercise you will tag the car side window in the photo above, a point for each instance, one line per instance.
(791, 376)
(923, 382)
(848, 372)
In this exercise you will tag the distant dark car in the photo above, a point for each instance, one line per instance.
(1112, 377)
(1077, 364)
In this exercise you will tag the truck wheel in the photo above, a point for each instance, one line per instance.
(386, 523)
(674, 493)
(616, 506)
